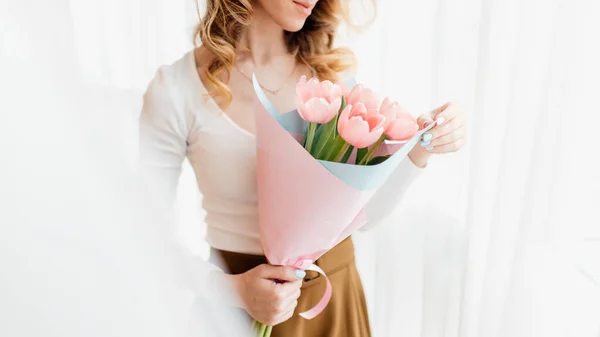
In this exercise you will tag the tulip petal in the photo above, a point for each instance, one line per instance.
(302, 111)
(386, 103)
(307, 89)
(335, 93)
(301, 89)
(404, 114)
(402, 129)
(343, 119)
(356, 130)
(301, 81)
(313, 84)
(359, 109)
(370, 138)
(305, 112)
(355, 94)
(317, 110)
(370, 99)
(299, 104)
(334, 107)
(324, 89)
(376, 121)
(388, 109)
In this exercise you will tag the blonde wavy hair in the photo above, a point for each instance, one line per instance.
(225, 20)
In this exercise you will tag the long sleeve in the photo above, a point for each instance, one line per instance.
(388, 197)
(163, 131)
(163, 134)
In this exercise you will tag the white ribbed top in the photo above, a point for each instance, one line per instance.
(178, 122)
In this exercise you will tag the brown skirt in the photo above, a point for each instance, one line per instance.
(345, 315)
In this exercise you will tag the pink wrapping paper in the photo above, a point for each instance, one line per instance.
(304, 209)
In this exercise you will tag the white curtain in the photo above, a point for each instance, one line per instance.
(499, 240)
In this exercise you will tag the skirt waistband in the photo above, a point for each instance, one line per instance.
(237, 263)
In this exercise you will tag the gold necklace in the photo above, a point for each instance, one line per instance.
(272, 92)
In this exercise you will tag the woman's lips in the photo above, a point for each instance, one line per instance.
(304, 7)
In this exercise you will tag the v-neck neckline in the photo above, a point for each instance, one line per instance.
(211, 100)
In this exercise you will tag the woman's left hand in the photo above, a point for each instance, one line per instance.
(449, 135)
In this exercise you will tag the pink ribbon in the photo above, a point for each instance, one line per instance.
(317, 309)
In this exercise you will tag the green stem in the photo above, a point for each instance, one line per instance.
(324, 145)
(256, 328)
(268, 331)
(342, 152)
(334, 145)
(261, 329)
(347, 155)
(310, 136)
(372, 151)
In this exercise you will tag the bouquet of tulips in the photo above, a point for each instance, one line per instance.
(340, 120)
(318, 166)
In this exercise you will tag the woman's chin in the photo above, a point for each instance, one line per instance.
(293, 25)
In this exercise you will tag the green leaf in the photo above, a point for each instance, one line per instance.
(310, 137)
(334, 151)
(318, 132)
(347, 154)
(378, 160)
(342, 107)
(360, 154)
(324, 137)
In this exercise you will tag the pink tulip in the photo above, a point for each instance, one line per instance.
(400, 125)
(319, 101)
(359, 127)
(360, 94)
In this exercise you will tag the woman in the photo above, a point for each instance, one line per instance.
(198, 108)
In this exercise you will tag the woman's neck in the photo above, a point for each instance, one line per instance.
(265, 39)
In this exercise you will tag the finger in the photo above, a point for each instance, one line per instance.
(290, 289)
(285, 316)
(285, 302)
(423, 121)
(442, 130)
(446, 148)
(282, 273)
(291, 306)
(435, 112)
(450, 137)
(446, 112)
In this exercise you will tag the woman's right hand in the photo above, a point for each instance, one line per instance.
(268, 301)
